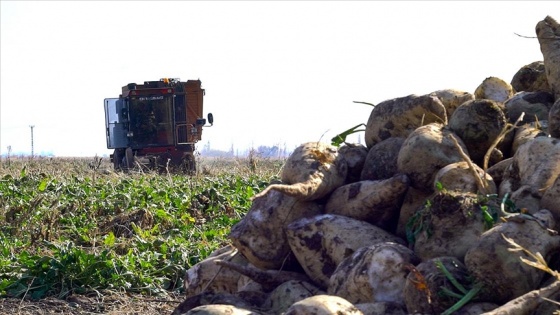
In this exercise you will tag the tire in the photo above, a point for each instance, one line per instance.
(188, 164)
(128, 159)
(117, 159)
(164, 161)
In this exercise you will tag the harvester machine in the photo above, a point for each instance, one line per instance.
(156, 125)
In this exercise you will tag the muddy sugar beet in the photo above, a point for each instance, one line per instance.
(451, 207)
(311, 172)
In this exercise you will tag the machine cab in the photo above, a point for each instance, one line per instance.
(141, 119)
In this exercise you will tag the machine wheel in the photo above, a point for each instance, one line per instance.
(128, 158)
(117, 159)
(188, 164)
(164, 161)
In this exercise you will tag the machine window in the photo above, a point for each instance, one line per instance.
(151, 121)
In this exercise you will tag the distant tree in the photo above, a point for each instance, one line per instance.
(206, 147)
(8, 154)
(267, 151)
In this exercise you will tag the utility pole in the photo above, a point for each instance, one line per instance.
(32, 126)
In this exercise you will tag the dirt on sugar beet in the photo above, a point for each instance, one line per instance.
(113, 304)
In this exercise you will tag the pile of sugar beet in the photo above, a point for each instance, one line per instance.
(451, 207)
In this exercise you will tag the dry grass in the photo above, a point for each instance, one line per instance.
(110, 304)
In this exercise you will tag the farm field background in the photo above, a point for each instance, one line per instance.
(77, 237)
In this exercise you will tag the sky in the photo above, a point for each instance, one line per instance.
(275, 72)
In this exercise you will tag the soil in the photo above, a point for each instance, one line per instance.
(114, 304)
